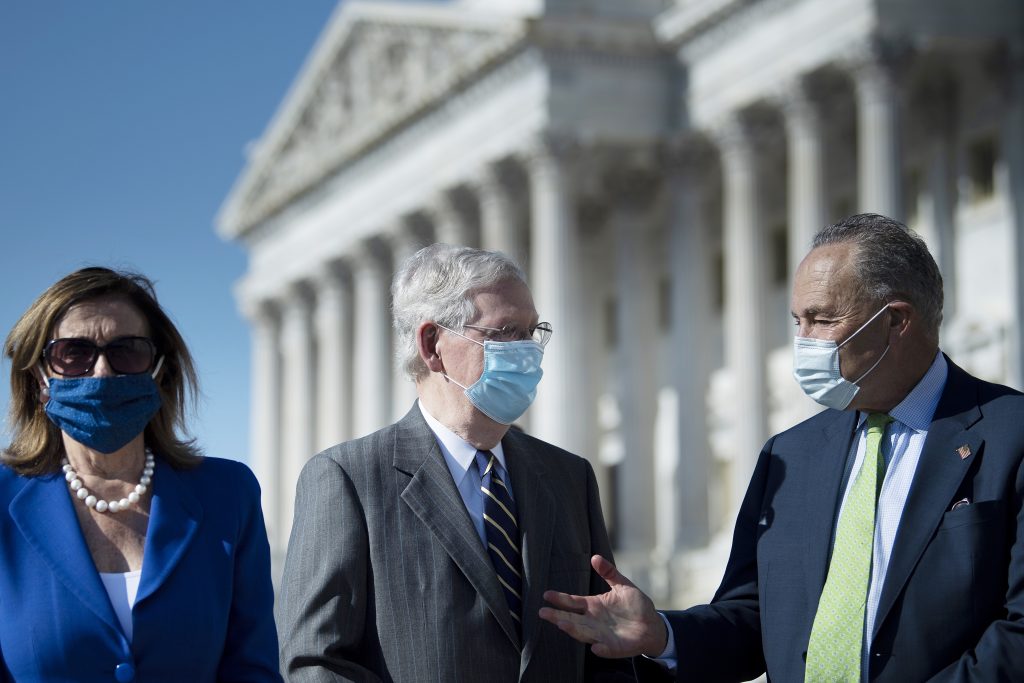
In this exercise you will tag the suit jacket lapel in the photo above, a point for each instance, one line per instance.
(174, 518)
(43, 512)
(938, 475)
(536, 512)
(432, 496)
(827, 454)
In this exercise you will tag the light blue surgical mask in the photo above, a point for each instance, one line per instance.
(816, 368)
(508, 383)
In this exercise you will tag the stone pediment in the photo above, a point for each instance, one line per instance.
(376, 67)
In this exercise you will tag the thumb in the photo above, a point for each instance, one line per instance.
(607, 571)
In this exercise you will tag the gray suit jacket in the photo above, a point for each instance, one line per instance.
(386, 578)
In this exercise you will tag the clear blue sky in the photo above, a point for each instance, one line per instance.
(122, 130)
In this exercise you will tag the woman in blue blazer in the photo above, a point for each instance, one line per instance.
(124, 554)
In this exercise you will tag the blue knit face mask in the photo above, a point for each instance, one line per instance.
(508, 383)
(103, 413)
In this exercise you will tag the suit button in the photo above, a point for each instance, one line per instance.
(124, 673)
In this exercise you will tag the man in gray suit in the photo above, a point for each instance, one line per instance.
(420, 552)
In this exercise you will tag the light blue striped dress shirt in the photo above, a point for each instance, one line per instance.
(901, 447)
(460, 456)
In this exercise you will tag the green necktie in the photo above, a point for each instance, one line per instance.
(834, 651)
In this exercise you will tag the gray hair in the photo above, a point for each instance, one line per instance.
(892, 263)
(438, 284)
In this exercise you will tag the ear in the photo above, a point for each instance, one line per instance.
(426, 343)
(903, 319)
(39, 375)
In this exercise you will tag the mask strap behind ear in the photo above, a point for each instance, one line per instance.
(159, 364)
(42, 373)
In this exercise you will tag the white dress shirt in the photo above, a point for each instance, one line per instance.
(460, 456)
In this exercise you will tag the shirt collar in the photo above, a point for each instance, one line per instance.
(918, 407)
(457, 450)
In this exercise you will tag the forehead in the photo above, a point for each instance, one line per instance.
(825, 279)
(102, 319)
(508, 301)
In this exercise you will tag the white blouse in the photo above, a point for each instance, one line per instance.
(122, 589)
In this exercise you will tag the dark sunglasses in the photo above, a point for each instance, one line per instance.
(74, 356)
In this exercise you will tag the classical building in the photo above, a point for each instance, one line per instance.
(659, 167)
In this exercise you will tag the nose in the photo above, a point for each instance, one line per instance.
(101, 368)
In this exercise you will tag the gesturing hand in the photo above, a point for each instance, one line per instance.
(619, 623)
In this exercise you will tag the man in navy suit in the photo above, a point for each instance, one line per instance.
(939, 595)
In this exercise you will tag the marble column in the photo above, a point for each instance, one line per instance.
(265, 417)
(1013, 153)
(299, 392)
(405, 240)
(453, 222)
(745, 284)
(684, 478)
(333, 318)
(557, 415)
(879, 144)
(939, 104)
(632, 190)
(806, 179)
(499, 217)
(372, 360)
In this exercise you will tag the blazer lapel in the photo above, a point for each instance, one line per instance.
(536, 512)
(174, 518)
(432, 496)
(827, 454)
(939, 473)
(43, 513)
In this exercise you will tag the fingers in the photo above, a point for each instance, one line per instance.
(576, 604)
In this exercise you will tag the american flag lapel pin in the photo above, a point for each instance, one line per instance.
(964, 451)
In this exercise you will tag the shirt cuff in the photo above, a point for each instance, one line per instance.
(668, 656)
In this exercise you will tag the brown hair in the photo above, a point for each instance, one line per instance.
(36, 447)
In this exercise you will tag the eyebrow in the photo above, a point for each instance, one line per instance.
(811, 311)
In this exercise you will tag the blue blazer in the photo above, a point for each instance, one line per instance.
(204, 608)
(952, 606)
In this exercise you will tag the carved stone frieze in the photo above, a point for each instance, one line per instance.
(380, 75)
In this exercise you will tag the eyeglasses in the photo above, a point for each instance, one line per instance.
(540, 333)
(74, 356)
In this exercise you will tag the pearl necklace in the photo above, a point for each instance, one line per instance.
(79, 490)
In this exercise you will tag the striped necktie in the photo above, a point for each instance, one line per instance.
(835, 649)
(501, 528)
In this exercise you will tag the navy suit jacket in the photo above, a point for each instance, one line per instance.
(204, 608)
(952, 606)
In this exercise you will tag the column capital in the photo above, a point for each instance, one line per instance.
(552, 145)
(802, 100)
(493, 178)
(687, 155)
(262, 310)
(878, 63)
(1005, 66)
(632, 176)
(736, 138)
(331, 275)
(371, 254)
(935, 97)
(298, 295)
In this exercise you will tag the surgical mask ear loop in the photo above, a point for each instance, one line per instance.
(445, 374)
(887, 346)
(861, 328)
(159, 364)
